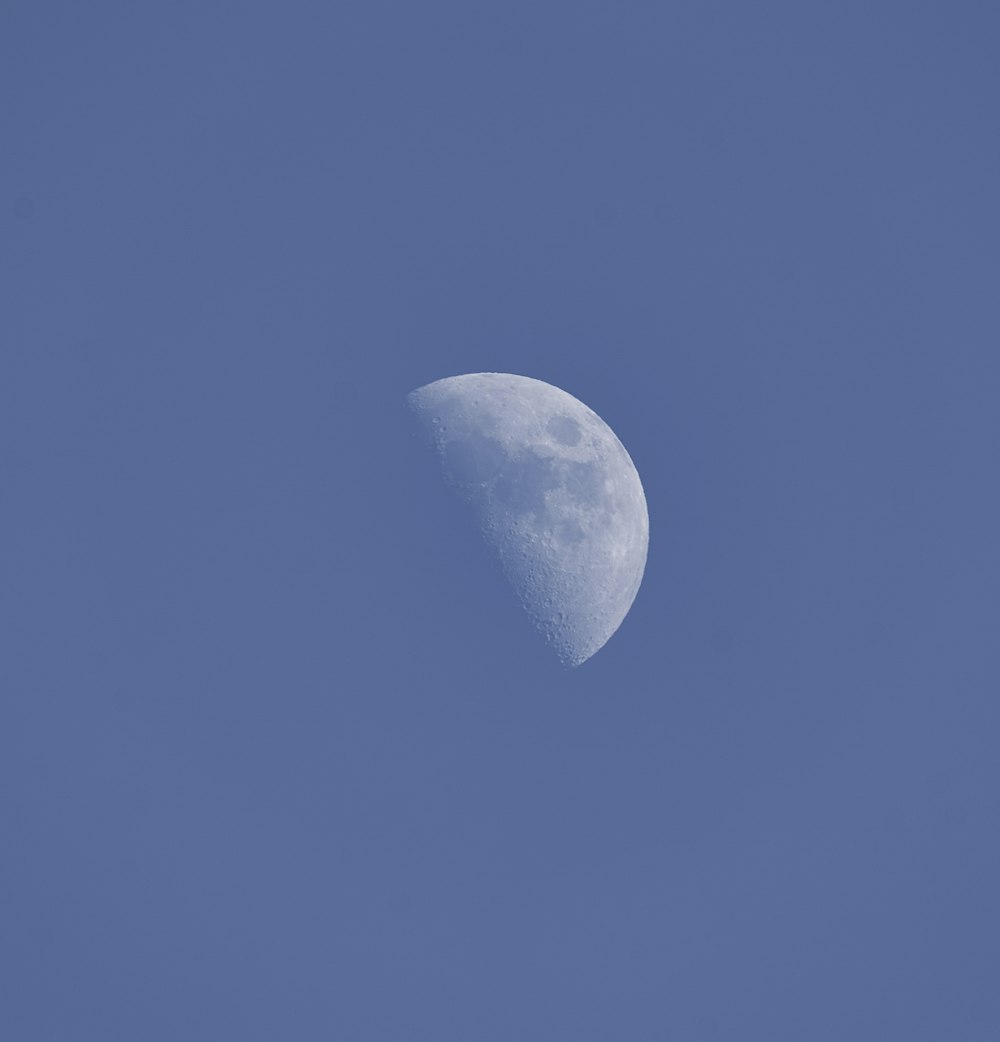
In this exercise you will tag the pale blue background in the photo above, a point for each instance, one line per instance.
(278, 757)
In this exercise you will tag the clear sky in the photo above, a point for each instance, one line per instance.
(279, 758)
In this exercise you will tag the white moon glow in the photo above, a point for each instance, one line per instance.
(555, 495)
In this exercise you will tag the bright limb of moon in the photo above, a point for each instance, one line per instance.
(555, 495)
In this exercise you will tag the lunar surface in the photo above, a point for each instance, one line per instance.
(555, 495)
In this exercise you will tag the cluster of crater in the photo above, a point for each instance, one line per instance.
(555, 496)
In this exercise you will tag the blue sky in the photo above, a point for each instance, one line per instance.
(278, 756)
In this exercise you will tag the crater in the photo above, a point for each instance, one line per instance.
(564, 429)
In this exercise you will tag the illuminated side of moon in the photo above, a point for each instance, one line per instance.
(555, 495)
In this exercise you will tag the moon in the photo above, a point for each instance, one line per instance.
(555, 495)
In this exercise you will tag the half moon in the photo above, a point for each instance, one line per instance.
(555, 495)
